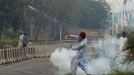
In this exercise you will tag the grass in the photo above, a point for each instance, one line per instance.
(123, 73)
(117, 73)
(69, 74)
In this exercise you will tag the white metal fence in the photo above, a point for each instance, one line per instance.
(11, 55)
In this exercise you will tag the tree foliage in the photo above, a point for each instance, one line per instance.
(130, 48)
(12, 14)
(90, 14)
(53, 14)
(50, 16)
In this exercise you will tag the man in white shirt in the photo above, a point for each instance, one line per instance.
(21, 40)
(122, 41)
(81, 58)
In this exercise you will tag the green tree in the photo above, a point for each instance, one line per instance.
(130, 48)
(12, 13)
(90, 14)
(53, 14)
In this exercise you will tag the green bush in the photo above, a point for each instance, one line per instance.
(11, 33)
(116, 73)
(69, 74)
(130, 48)
(122, 73)
(9, 42)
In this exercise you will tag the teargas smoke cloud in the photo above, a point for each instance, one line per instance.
(61, 58)
(105, 60)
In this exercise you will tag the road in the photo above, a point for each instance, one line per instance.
(36, 66)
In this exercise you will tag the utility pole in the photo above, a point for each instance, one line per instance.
(60, 33)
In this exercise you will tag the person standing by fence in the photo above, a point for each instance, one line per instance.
(122, 41)
(22, 41)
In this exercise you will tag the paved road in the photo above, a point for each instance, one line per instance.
(37, 66)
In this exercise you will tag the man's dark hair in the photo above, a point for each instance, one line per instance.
(82, 34)
(124, 34)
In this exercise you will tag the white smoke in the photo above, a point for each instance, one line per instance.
(107, 61)
(61, 58)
